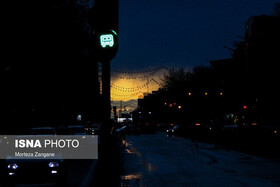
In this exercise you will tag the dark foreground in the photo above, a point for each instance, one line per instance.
(161, 160)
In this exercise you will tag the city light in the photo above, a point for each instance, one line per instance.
(53, 172)
(12, 166)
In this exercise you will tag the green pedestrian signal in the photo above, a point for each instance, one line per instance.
(107, 40)
(107, 44)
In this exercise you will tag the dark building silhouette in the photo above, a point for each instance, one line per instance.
(49, 70)
(245, 85)
(262, 39)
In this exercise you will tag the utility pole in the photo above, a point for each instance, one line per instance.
(106, 92)
(105, 18)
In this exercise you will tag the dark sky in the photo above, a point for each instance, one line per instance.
(181, 33)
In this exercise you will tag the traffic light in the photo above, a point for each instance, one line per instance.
(107, 45)
(108, 40)
(104, 18)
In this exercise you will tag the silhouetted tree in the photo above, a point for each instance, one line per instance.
(176, 80)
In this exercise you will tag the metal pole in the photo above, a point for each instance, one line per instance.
(106, 95)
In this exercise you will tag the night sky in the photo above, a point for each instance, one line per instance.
(181, 33)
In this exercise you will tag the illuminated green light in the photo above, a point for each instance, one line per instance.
(114, 32)
(107, 40)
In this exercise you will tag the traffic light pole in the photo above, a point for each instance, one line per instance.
(106, 95)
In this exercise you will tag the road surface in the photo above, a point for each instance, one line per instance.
(161, 160)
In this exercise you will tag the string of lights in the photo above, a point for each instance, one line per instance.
(133, 78)
(149, 71)
(125, 95)
(127, 89)
(155, 81)
(122, 92)
(136, 87)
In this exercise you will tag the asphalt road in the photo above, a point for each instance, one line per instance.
(160, 160)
